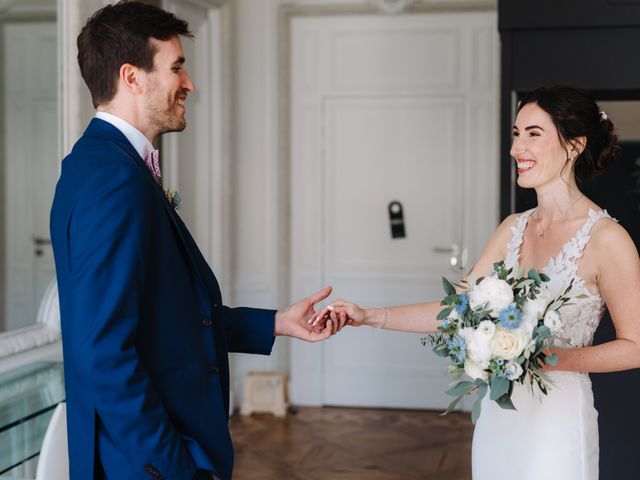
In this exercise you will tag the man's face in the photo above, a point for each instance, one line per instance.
(167, 87)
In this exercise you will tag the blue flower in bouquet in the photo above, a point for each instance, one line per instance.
(464, 303)
(510, 317)
(458, 348)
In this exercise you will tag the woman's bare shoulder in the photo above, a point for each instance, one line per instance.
(609, 237)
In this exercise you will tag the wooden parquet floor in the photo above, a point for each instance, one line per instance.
(353, 444)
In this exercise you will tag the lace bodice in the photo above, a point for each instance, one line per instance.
(581, 316)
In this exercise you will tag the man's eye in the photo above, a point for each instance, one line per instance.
(516, 134)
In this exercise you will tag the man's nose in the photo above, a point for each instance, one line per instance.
(187, 82)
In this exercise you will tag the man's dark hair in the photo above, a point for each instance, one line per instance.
(119, 34)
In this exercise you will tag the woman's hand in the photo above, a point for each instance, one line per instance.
(341, 312)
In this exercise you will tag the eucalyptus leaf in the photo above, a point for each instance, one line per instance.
(543, 331)
(448, 288)
(441, 351)
(544, 277)
(551, 360)
(475, 412)
(461, 388)
(452, 405)
(505, 402)
(451, 299)
(534, 275)
(444, 313)
(499, 386)
(482, 390)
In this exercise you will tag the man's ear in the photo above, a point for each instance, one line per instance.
(130, 77)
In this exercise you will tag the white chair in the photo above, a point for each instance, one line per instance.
(53, 463)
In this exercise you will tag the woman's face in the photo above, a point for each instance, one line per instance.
(537, 150)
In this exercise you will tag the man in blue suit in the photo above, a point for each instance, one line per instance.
(145, 331)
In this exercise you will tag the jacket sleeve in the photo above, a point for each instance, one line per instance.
(109, 231)
(249, 330)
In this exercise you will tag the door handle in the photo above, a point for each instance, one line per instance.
(453, 250)
(39, 242)
(457, 256)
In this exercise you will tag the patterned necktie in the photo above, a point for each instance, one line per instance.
(153, 164)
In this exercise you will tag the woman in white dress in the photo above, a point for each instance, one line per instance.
(560, 138)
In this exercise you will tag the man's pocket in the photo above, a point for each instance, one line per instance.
(199, 456)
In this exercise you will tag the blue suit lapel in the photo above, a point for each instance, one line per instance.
(100, 128)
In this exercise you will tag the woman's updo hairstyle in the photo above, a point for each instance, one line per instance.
(575, 114)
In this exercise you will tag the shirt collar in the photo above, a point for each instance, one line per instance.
(137, 139)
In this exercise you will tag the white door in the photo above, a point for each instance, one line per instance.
(30, 164)
(388, 109)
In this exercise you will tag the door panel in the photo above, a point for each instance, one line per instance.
(379, 150)
(387, 109)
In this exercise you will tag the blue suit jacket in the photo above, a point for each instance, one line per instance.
(145, 333)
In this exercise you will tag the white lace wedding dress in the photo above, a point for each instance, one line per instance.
(552, 436)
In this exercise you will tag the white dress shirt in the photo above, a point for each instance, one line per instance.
(141, 143)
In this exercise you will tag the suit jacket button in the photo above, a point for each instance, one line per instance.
(206, 322)
(214, 369)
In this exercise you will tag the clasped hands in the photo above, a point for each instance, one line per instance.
(301, 320)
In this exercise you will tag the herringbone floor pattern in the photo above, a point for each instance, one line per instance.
(353, 444)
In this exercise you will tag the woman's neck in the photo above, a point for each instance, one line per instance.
(558, 204)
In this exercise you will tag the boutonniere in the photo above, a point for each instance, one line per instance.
(173, 197)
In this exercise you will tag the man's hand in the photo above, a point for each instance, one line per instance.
(294, 320)
(345, 313)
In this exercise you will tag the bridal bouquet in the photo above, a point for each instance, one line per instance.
(496, 332)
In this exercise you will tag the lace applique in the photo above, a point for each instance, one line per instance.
(581, 316)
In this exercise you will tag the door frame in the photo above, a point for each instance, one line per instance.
(217, 92)
(306, 363)
(43, 331)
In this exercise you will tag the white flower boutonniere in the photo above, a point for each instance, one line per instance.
(173, 197)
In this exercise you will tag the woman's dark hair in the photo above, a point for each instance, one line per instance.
(119, 34)
(575, 114)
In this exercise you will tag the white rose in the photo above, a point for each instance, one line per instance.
(474, 370)
(478, 348)
(534, 309)
(552, 321)
(493, 292)
(487, 328)
(513, 370)
(508, 344)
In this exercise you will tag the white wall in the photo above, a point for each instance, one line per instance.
(259, 192)
(254, 214)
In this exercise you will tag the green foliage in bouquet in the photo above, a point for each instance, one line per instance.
(497, 331)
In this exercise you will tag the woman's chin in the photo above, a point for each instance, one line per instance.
(524, 182)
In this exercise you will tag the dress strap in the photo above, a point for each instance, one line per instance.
(513, 247)
(564, 268)
(575, 247)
